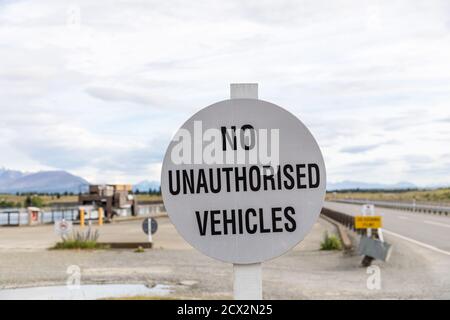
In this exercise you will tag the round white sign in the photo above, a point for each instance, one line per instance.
(63, 227)
(243, 181)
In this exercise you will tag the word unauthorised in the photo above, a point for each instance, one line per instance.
(243, 179)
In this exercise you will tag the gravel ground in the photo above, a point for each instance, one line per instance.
(303, 273)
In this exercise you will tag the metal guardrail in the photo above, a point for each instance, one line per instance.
(371, 246)
(344, 219)
(333, 217)
(10, 218)
(415, 207)
(17, 217)
(50, 215)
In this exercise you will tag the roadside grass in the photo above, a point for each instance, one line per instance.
(330, 242)
(81, 240)
(75, 244)
(47, 200)
(438, 195)
(149, 197)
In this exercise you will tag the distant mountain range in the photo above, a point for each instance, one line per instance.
(12, 181)
(349, 185)
(146, 185)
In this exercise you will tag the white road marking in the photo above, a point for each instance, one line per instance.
(417, 242)
(437, 223)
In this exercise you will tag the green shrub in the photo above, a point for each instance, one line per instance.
(7, 204)
(331, 242)
(34, 201)
(139, 249)
(74, 244)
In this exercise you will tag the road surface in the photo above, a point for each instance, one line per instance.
(430, 231)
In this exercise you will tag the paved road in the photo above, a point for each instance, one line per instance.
(44, 237)
(427, 230)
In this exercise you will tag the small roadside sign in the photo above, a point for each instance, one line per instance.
(374, 248)
(368, 222)
(153, 225)
(63, 227)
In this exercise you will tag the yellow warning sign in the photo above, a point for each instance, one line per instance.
(368, 222)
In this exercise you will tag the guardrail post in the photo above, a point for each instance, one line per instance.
(82, 217)
(100, 216)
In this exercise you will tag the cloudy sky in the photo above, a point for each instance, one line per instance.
(98, 88)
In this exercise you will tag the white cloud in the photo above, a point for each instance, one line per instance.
(102, 98)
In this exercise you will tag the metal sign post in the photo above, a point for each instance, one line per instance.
(371, 247)
(149, 223)
(149, 226)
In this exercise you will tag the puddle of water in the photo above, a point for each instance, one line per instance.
(84, 292)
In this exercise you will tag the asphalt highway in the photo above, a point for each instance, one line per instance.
(428, 230)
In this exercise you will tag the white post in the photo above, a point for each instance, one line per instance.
(247, 278)
(247, 281)
(379, 230)
(244, 91)
(366, 211)
(149, 223)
